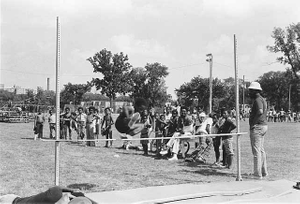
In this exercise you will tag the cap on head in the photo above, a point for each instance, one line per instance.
(255, 86)
(202, 114)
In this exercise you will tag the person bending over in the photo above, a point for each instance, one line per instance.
(126, 121)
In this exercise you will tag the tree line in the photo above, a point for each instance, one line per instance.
(119, 80)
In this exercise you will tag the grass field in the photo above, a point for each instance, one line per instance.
(27, 166)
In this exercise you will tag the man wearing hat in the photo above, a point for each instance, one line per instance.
(258, 130)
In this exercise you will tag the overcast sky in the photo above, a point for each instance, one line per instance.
(175, 33)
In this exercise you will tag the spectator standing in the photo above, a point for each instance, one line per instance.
(98, 123)
(39, 124)
(282, 115)
(51, 121)
(81, 122)
(107, 122)
(227, 141)
(145, 131)
(160, 131)
(66, 117)
(91, 126)
(258, 130)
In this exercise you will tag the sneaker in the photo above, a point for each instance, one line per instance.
(134, 119)
(200, 160)
(164, 152)
(189, 159)
(253, 176)
(174, 158)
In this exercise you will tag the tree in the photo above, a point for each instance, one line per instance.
(115, 71)
(74, 93)
(198, 88)
(149, 83)
(287, 42)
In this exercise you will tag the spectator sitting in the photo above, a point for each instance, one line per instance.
(205, 143)
(185, 128)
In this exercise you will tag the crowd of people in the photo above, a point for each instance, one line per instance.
(169, 125)
(87, 126)
(282, 116)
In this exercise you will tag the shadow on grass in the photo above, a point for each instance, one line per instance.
(207, 170)
(82, 186)
(27, 138)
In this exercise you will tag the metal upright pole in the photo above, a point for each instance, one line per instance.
(210, 60)
(290, 96)
(238, 176)
(210, 84)
(243, 94)
(57, 102)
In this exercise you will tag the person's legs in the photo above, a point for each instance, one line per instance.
(40, 130)
(70, 131)
(88, 134)
(264, 169)
(107, 137)
(217, 143)
(51, 127)
(229, 151)
(136, 129)
(170, 144)
(110, 137)
(256, 137)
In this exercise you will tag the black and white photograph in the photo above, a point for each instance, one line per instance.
(149, 101)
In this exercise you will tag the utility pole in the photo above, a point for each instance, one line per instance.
(210, 60)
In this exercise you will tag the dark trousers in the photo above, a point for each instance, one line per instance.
(109, 136)
(217, 144)
(39, 129)
(51, 196)
(145, 148)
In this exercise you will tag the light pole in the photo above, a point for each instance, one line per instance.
(210, 60)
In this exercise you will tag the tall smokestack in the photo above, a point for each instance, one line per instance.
(48, 84)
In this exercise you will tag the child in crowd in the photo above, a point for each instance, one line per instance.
(160, 131)
(67, 117)
(227, 141)
(81, 123)
(97, 123)
(91, 126)
(107, 122)
(145, 131)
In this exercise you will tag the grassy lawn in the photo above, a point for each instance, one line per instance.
(27, 166)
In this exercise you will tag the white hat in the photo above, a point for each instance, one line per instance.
(255, 86)
(202, 114)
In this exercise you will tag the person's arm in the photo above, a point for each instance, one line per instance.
(102, 122)
(111, 121)
(207, 128)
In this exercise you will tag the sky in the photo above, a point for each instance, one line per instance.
(175, 33)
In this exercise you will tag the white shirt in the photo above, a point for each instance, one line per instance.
(81, 117)
(52, 118)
